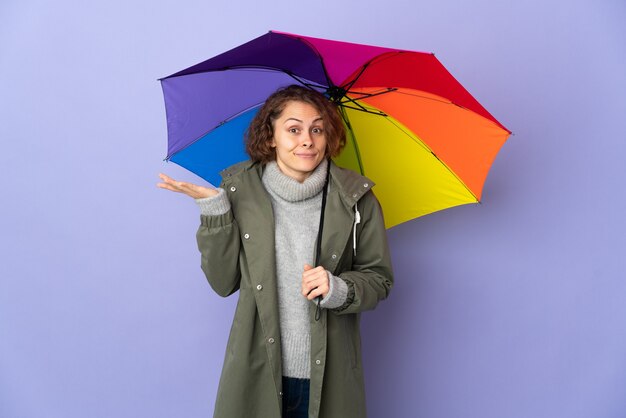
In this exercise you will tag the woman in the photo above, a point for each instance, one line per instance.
(287, 356)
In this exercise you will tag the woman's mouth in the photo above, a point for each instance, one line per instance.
(305, 155)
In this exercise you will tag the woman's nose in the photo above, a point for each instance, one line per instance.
(306, 140)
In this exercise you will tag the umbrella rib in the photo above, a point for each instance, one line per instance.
(368, 95)
(268, 68)
(349, 99)
(364, 109)
(351, 83)
(381, 57)
(354, 143)
(300, 80)
(314, 49)
(421, 96)
(352, 100)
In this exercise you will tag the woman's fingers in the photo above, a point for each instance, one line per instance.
(167, 187)
(312, 271)
(318, 291)
(315, 282)
(321, 290)
(190, 189)
(169, 183)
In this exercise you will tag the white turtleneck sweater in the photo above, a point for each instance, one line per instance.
(297, 208)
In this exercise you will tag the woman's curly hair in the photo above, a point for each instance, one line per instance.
(260, 133)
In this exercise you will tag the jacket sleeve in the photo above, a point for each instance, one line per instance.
(371, 277)
(219, 243)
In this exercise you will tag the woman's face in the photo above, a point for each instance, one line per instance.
(299, 140)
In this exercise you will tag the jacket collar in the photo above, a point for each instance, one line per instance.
(351, 186)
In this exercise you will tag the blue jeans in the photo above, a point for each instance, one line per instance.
(295, 397)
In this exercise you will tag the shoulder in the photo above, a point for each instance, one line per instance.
(237, 171)
(352, 186)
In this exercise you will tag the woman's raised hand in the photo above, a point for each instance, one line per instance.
(190, 189)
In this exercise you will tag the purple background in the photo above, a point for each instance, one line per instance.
(515, 308)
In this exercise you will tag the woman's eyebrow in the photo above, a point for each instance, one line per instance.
(298, 120)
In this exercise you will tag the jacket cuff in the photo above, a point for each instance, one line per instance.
(337, 294)
(349, 297)
(214, 205)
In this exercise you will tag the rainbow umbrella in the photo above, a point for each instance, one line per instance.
(412, 127)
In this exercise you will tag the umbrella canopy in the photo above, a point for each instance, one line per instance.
(412, 127)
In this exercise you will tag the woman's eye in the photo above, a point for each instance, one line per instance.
(293, 130)
(317, 130)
